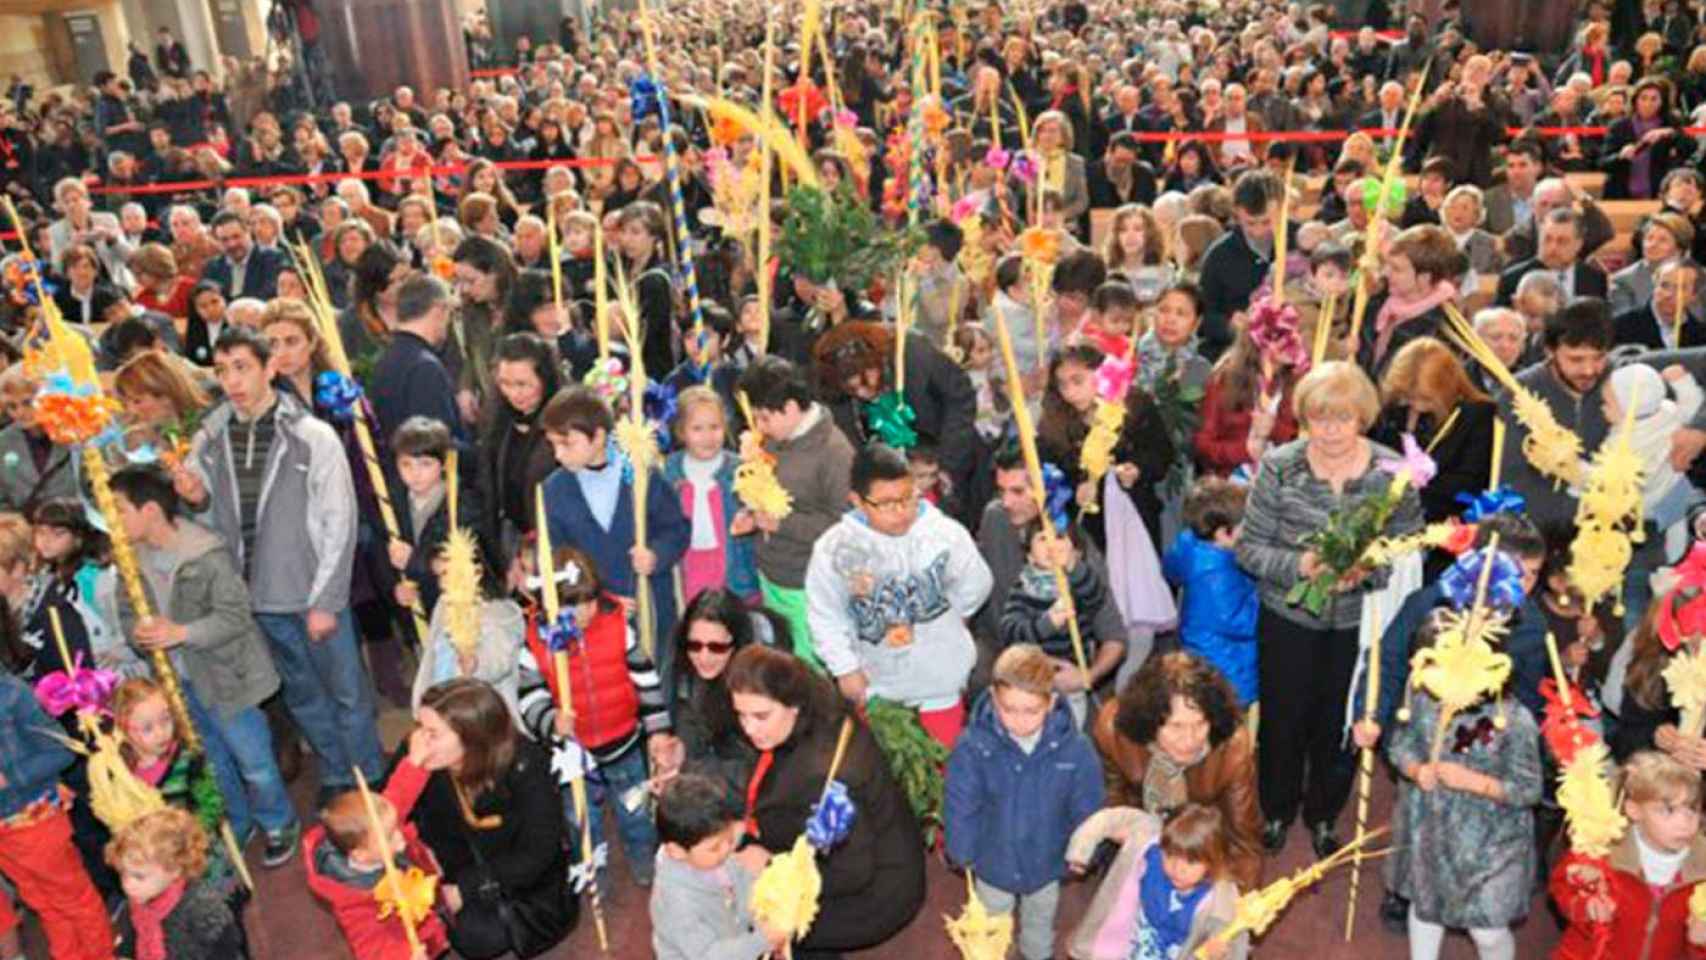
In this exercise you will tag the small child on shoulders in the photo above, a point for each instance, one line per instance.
(1169, 892)
(345, 857)
(701, 900)
(1217, 618)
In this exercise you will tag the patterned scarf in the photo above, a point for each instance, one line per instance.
(1164, 781)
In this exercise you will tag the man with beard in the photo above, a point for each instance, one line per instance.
(1570, 382)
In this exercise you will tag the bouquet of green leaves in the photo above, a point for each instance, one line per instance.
(832, 237)
(915, 758)
(1340, 545)
(1179, 405)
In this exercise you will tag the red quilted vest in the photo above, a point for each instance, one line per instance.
(606, 705)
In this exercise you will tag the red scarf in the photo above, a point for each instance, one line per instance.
(1596, 64)
(149, 919)
(765, 759)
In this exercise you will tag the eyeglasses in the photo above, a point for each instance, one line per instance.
(718, 647)
(899, 503)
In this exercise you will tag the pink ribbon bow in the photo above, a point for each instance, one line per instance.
(79, 688)
(1113, 378)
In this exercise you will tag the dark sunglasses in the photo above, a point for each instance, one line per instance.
(709, 646)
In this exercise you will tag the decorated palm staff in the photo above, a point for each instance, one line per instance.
(1113, 384)
(1258, 909)
(338, 383)
(1585, 793)
(785, 895)
(636, 438)
(978, 934)
(1461, 667)
(559, 630)
(408, 894)
(765, 278)
(755, 478)
(1039, 490)
(1391, 184)
(1365, 765)
(1554, 450)
(649, 97)
(1608, 517)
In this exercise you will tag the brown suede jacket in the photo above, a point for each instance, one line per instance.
(1226, 779)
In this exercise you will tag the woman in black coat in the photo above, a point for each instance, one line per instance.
(515, 456)
(491, 815)
(854, 361)
(873, 881)
(1429, 395)
(1644, 146)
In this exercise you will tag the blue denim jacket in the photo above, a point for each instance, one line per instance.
(30, 758)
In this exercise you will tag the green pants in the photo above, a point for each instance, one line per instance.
(789, 603)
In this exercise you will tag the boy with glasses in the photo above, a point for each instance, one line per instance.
(888, 591)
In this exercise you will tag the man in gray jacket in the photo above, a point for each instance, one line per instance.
(998, 540)
(273, 482)
(201, 617)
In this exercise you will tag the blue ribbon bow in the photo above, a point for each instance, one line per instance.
(337, 395)
(1487, 503)
(645, 98)
(832, 818)
(562, 632)
(659, 404)
(1057, 494)
(1504, 583)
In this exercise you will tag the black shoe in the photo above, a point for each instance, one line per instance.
(1395, 914)
(1324, 840)
(1273, 835)
(281, 846)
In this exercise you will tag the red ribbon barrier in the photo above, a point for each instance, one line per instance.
(1253, 136)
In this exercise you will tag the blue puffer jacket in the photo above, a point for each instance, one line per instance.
(1218, 618)
(1010, 814)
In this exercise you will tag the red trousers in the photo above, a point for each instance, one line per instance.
(944, 725)
(42, 863)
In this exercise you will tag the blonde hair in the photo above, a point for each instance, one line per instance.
(1196, 233)
(1340, 384)
(1427, 367)
(1056, 117)
(294, 312)
(1024, 667)
(697, 396)
(15, 543)
(128, 696)
(155, 373)
(169, 838)
(1650, 775)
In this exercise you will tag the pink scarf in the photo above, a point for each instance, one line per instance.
(1396, 311)
(149, 921)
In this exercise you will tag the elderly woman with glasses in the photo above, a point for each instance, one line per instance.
(1305, 661)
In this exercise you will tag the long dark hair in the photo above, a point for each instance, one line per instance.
(724, 608)
(479, 718)
(786, 679)
(1060, 427)
(67, 513)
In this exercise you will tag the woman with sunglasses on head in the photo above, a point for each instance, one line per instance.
(715, 626)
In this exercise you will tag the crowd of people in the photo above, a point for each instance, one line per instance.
(1145, 674)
